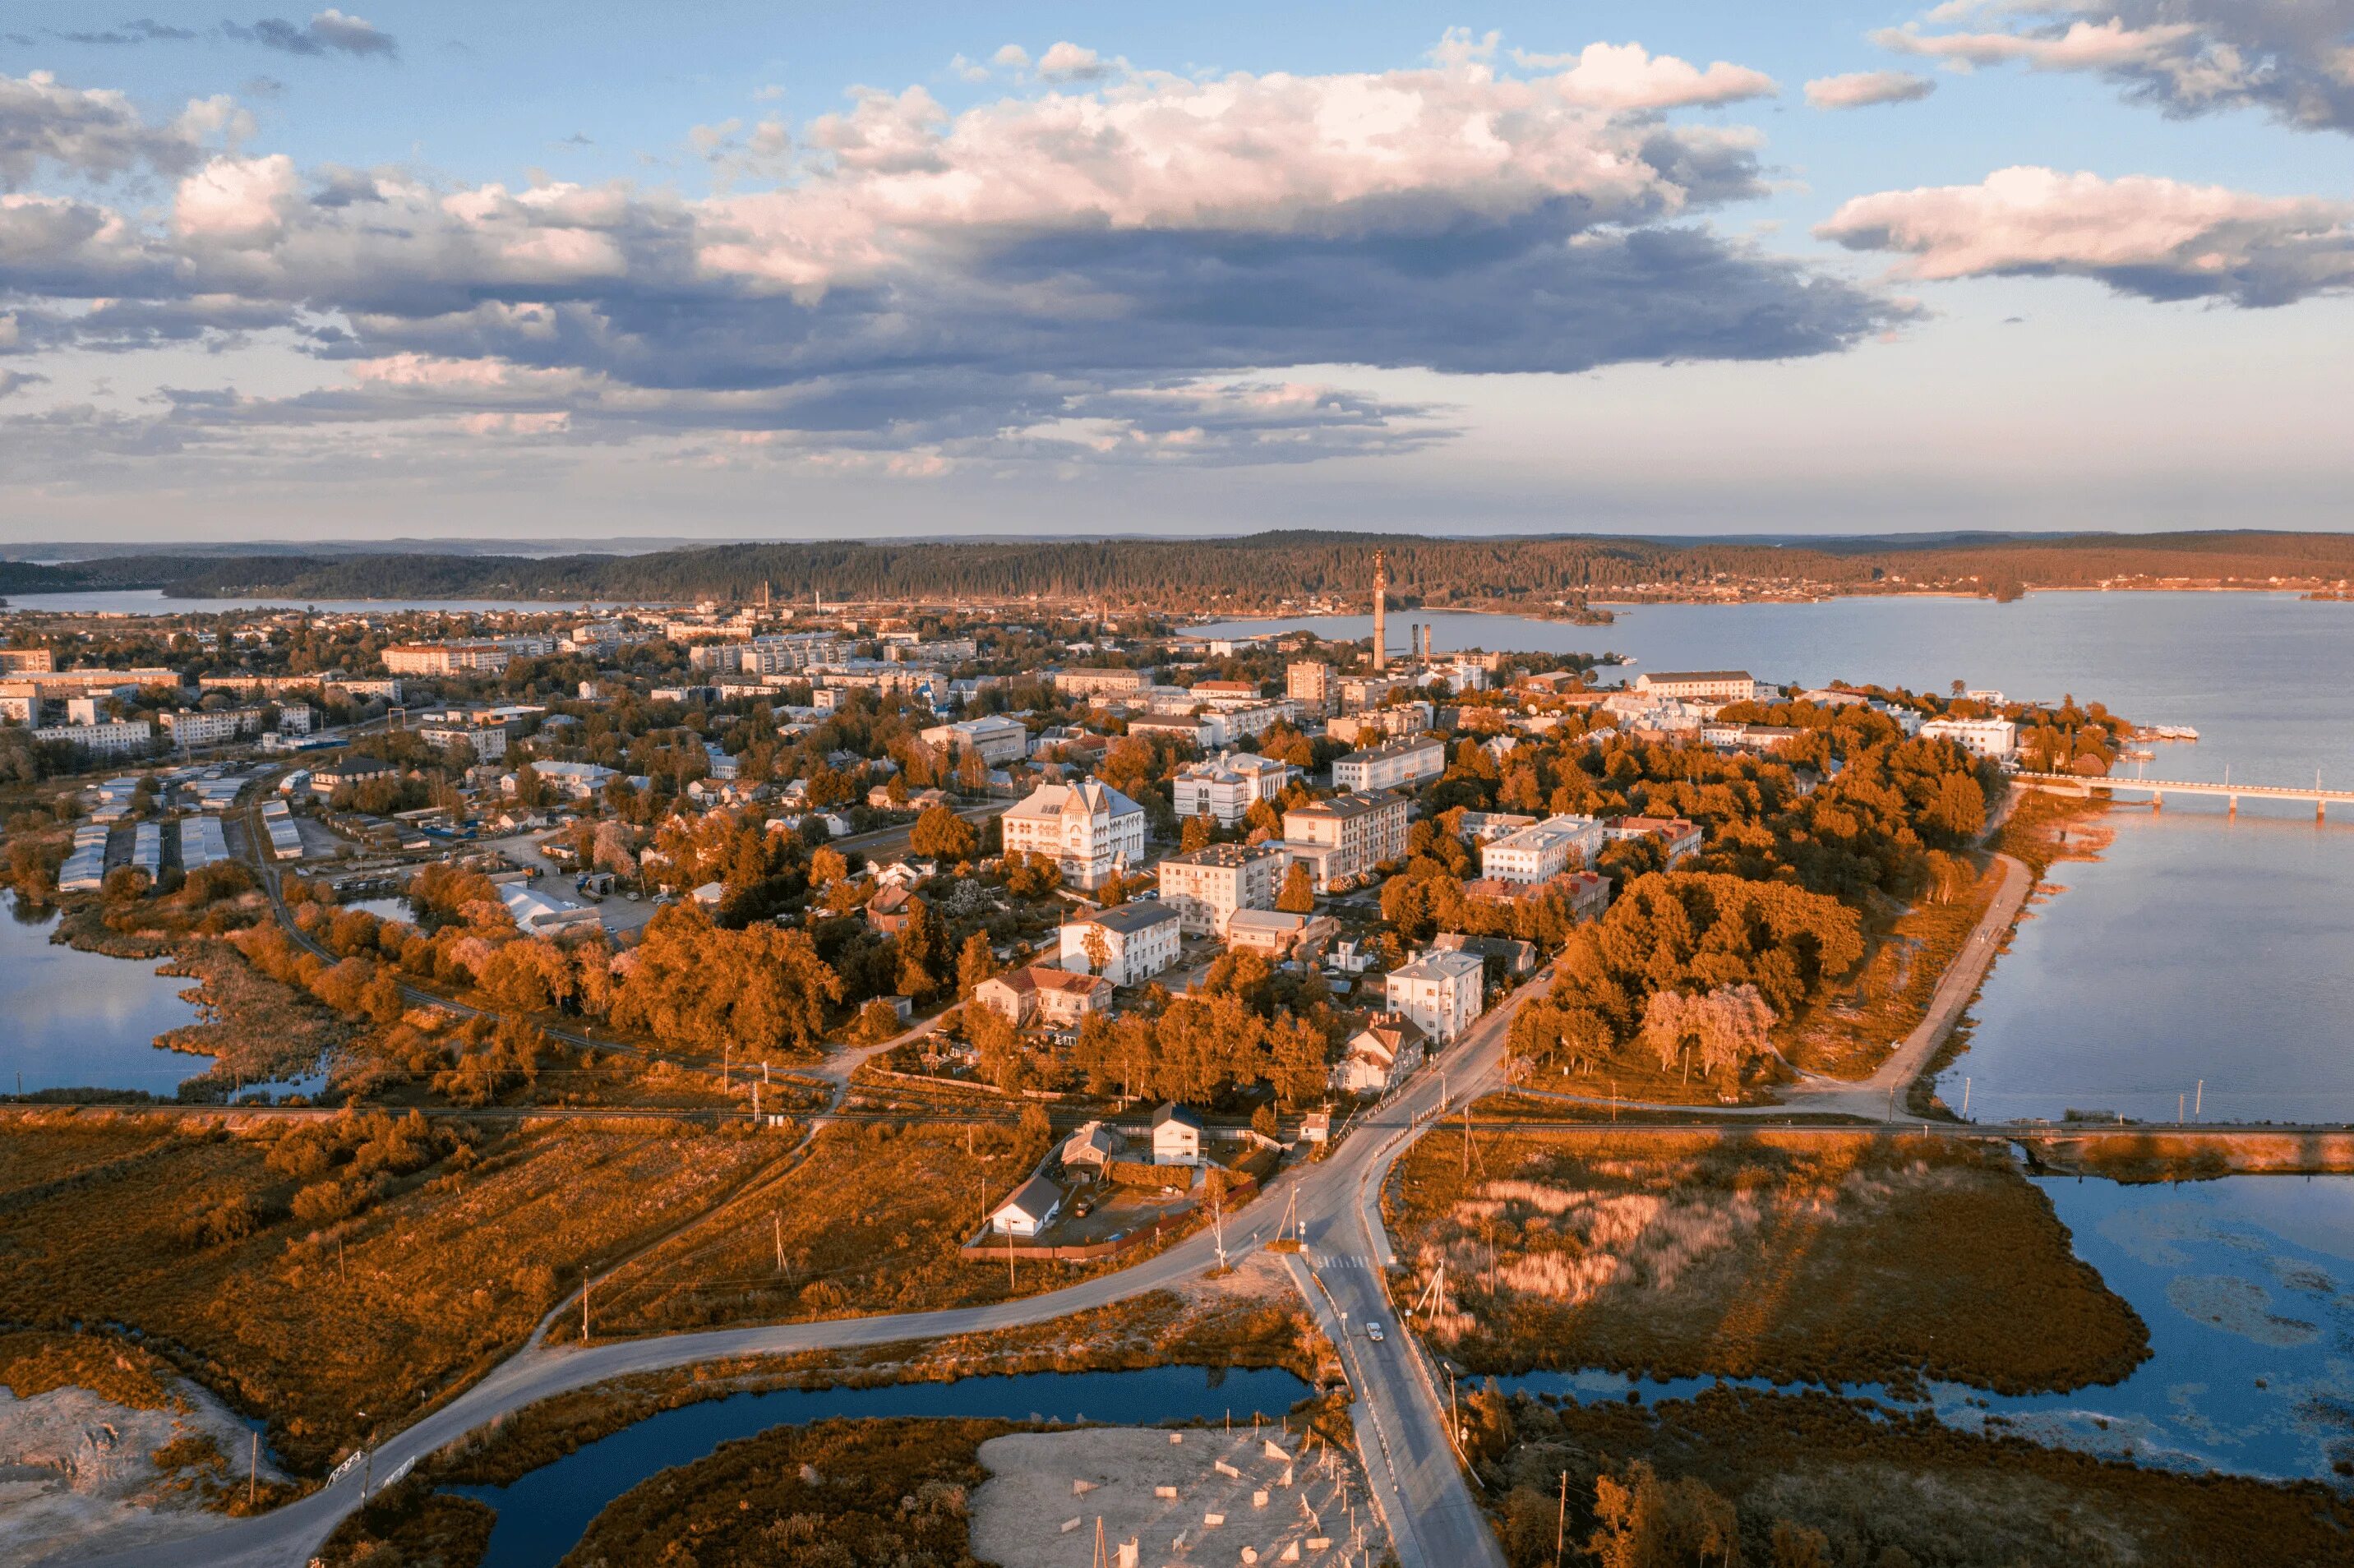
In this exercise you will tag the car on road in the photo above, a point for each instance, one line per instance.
(1373, 1332)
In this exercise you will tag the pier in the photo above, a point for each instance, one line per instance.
(2158, 789)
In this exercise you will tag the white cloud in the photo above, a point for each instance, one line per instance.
(1012, 56)
(239, 201)
(95, 132)
(1069, 62)
(2157, 237)
(1627, 76)
(1861, 89)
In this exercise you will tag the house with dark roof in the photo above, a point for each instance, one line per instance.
(1176, 1135)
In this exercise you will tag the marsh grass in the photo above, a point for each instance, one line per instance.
(1829, 1259)
(1884, 1489)
(376, 1272)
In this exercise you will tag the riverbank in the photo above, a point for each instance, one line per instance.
(2190, 1155)
(1813, 1478)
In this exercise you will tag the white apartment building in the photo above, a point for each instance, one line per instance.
(488, 742)
(1442, 992)
(1139, 939)
(1540, 852)
(1343, 840)
(999, 739)
(1088, 829)
(195, 726)
(581, 781)
(1995, 737)
(1208, 886)
(1398, 764)
(1705, 685)
(119, 737)
(1227, 786)
(769, 655)
(1098, 682)
(447, 658)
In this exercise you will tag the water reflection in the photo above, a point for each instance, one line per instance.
(543, 1515)
(2247, 1285)
(79, 1020)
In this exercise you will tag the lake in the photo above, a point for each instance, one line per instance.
(150, 601)
(2198, 947)
(2247, 1286)
(79, 1020)
(543, 1515)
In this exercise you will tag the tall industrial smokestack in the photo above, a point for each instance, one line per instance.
(1425, 642)
(1381, 611)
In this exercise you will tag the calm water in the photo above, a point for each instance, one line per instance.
(2198, 947)
(2247, 1285)
(544, 1515)
(76, 1019)
(150, 601)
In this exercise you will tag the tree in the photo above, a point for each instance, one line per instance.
(940, 834)
(923, 950)
(975, 963)
(1643, 1521)
(1114, 891)
(1264, 1123)
(1097, 947)
(1194, 834)
(1298, 894)
(828, 866)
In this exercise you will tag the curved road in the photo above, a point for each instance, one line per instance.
(1421, 1491)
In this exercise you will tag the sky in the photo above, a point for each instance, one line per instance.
(724, 271)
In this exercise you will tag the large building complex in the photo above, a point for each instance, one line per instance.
(1399, 765)
(1309, 682)
(1541, 850)
(1208, 886)
(1089, 830)
(998, 739)
(1341, 840)
(1705, 685)
(1226, 786)
(1994, 738)
(770, 655)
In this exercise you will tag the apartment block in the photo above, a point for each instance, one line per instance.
(1208, 886)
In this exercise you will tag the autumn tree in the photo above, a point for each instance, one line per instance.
(975, 963)
(940, 834)
(1299, 893)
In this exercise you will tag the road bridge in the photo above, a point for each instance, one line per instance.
(2158, 789)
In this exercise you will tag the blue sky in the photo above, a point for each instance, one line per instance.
(580, 270)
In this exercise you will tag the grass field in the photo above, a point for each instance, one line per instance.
(1832, 1259)
(1812, 1480)
(364, 1265)
(870, 1221)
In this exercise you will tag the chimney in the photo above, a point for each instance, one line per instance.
(1381, 610)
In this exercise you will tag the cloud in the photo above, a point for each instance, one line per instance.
(2293, 58)
(1861, 89)
(329, 32)
(94, 132)
(2159, 239)
(1128, 271)
(15, 381)
(1069, 62)
(1627, 76)
(1012, 56)
(143, 31)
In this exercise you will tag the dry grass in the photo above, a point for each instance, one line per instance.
(871, 1220)
(1901, 1489)
(1905, 958)
(32, 1363)
(1834, 1259)
(2194, 1157)
(187, 1235)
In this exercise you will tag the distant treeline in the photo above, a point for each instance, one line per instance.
(1255, 572)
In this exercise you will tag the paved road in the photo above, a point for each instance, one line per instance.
(1418, 1487)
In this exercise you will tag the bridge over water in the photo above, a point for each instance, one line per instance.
(2158, 789)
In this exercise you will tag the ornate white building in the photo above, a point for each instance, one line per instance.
(1088, 829)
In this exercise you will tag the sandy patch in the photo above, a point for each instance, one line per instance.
(1019, 1513)
(2239, 1306)
(75, 1467)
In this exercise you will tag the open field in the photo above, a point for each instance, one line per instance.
(1813, 1479)
(310, 1273)
(871, 1219)
(1831, 1259)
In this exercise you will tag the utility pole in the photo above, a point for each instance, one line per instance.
(253, 1471)
(1009, 1259)
(1561, 1521)
(2198, 1104)
(777, 1224)
(584, 1305)
(1966, 1099)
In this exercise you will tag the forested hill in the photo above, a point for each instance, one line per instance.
(1252, 572)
